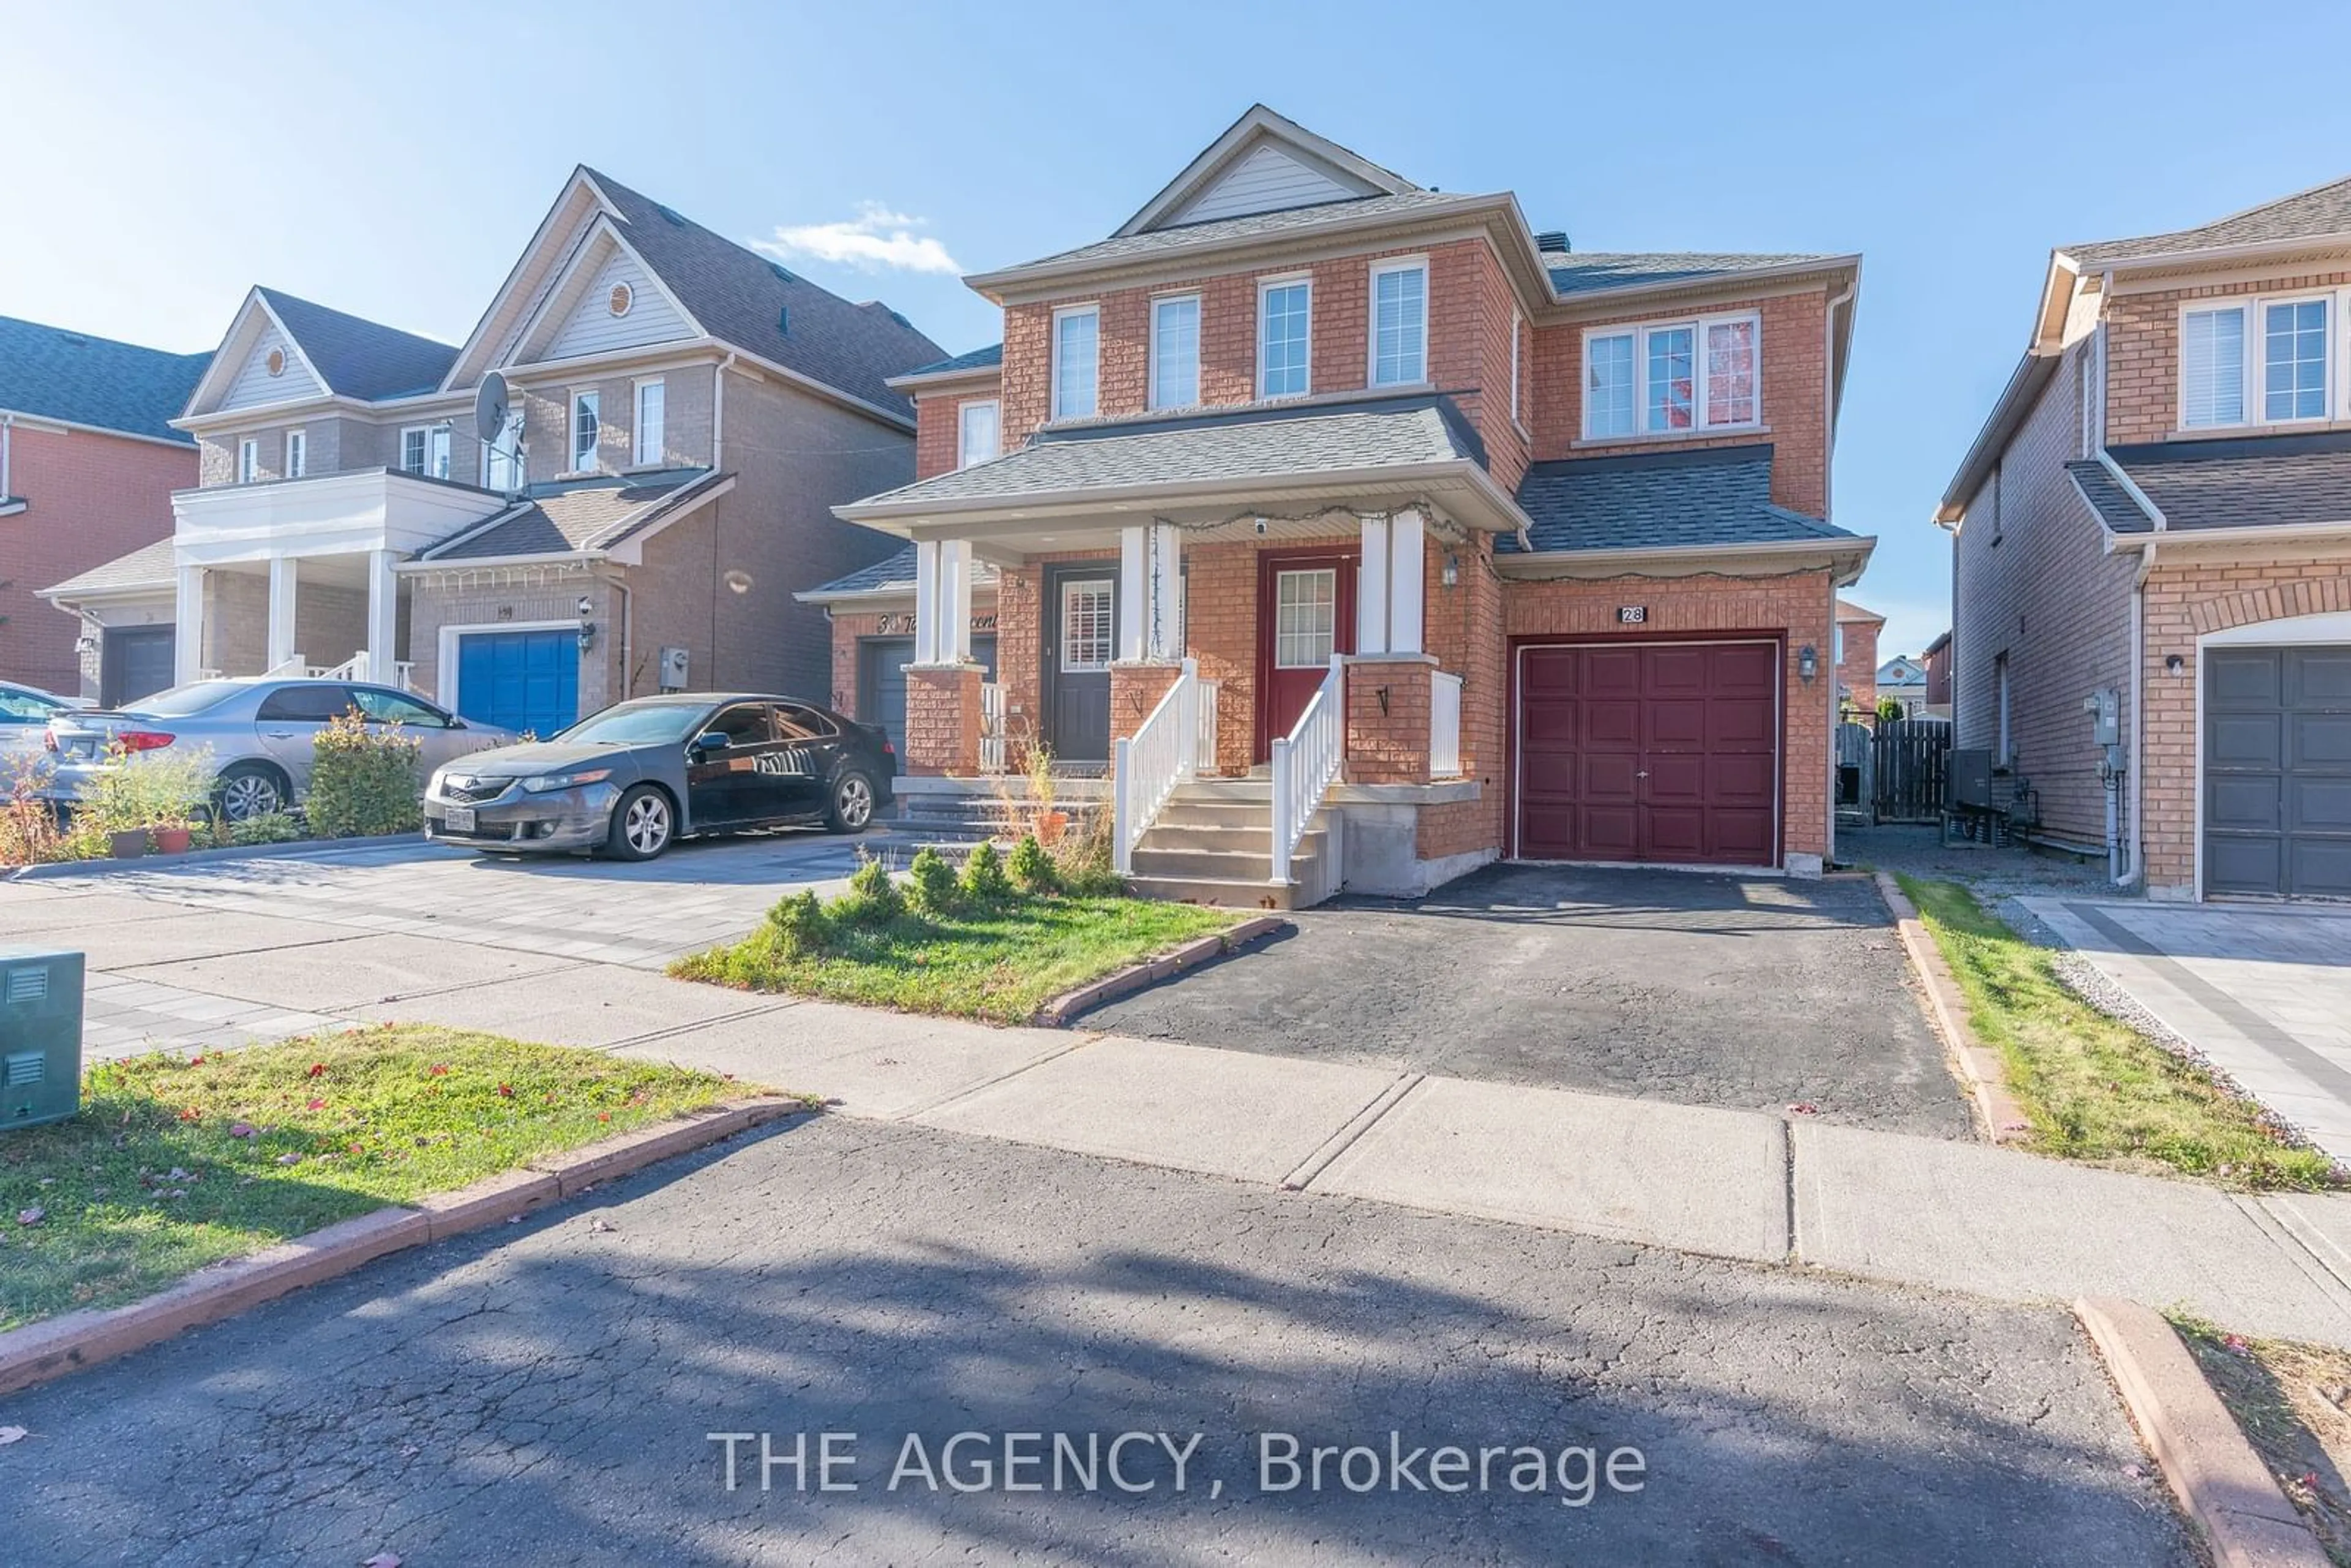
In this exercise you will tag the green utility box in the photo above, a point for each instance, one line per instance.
(40, 1036)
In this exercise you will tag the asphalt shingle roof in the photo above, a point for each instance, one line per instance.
(2250, 482)
(1259, 444)
(1720, 495)
(2322, 210)
(894, 574)
(1575, 274)
(581, 513)
(986, 359)
(1252, 225)
(148, 566)
(359, 358)
(758, 305)
(72, 376)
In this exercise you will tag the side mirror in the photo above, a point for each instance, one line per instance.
(710, 741)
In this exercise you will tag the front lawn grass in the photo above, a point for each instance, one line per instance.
(997, 960)
(2290, 1401)
(176, 1163)
(2095, 1088)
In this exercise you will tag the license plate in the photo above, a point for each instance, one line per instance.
(86, 746)
(458, 818)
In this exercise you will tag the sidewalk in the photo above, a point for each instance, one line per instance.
(1732, 1184)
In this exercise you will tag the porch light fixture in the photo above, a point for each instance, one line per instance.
(85, 643)
(2173, 664)
(1451, 575)
(1808, 663)
(587, 627)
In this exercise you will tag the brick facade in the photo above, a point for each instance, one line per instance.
(2142, 400)
(1856, 668)
(1135, 689)
(1387, 721)
(88, 497)
(942, 719)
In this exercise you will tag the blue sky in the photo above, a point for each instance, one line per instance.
(393, 160)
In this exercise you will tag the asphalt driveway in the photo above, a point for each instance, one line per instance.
(544, 1392)
(1755, 993)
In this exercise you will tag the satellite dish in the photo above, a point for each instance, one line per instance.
(491, 403)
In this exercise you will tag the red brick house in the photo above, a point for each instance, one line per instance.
(88, 464)
(2152, 557)
(1857, 629)
(1361, 535)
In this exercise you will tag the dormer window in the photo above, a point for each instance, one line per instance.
(1669, 378)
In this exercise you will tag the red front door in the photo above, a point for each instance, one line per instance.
(1633, 751)
(1305, 613)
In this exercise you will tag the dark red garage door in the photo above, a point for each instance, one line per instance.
(1649, 751)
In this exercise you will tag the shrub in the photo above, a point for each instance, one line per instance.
(364, 781)
(160, 789)
(1889, 709)
(269, 827)
(934, 882)
(799, 923)
(1081, 859)
(28, 824)
(872, 899)
(1032, 868)
(983, 876)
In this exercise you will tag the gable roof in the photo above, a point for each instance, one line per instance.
(892, 576)
(149, 566)
(2321, 211)
(761, 306)
(52, 373)
(1342, 168)
(356, 357)
(2254, 482)
(1846, 609)
(1713, 497)
(1595, 271)
(1250, 225)
(581, 515)
(988, 359)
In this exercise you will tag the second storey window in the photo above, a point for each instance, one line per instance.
(2293, 360)
(587, 425)
(502, 460)
(298, 454)
(1175, 351)
(248, 461)
(1400, 324)
(1671, 376)
(424, 450)
(1076, 347)
(652, 414)
(975, 432)
(1285, 312)
(2258, 361)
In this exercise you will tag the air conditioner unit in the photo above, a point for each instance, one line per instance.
(40, 1036)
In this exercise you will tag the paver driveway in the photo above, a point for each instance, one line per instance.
(1752, 992)
(2263, 991)
(542, 1393)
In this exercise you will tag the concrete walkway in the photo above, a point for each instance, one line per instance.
(2264, 992)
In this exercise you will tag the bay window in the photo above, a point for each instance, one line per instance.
(1664, 378)
(1077, 341)
(1175, 351)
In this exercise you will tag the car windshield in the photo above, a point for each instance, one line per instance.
(629, 725)
(181, 701)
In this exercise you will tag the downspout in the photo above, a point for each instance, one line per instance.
(7, 430)
(717, 451)
(1839, 301)
(2138, 853)
(628, 635)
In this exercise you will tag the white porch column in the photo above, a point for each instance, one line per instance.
(926, 602)
(1163, 599)
(1372, 589)
(382, 616)
(188, 628)
(1134, 593)
(954, 637)
(284, 571)
(1408, 582)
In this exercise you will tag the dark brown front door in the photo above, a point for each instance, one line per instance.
(1305, 613)
(1649, 751)
(1079, 637)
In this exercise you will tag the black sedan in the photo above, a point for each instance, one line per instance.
(632, 778)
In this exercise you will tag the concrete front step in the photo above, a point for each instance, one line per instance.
(1222, 865)
(1224, 894)
(1181, 812)
(1252, 838)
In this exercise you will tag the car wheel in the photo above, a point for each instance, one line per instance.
(249, 790)
(851, 809)
(643, 824)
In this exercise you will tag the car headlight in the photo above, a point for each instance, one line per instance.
(542, 782)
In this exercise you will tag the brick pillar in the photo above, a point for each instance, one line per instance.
(1134, 690)
(1388, 747)
(943, 718)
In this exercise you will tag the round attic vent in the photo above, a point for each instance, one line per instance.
(621, 299)
(276, 362)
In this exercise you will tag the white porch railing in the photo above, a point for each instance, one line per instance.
(1444, 724)
(355, 668)
(1306, 761)
(1147, 768)
(994, 756)
(1206, 761)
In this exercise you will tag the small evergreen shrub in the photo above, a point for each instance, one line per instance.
(1032, 868)
(872, 899)
(983, 876)
(270, 828)
(364, 781)
(799, 923)
(934, 882)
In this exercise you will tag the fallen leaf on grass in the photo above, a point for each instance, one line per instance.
(32, 1216)
(240, 1129)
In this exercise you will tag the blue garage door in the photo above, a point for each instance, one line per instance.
(520, 680)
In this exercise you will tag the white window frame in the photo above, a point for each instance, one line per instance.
(1151, 385)
(1070, 587)
(964, 410)
(1639, 331)
(593, 398)
(1266, 286)
(1371, 318)
(1518, 332)
(2254, 381)
(637, 445)
(436, 446)
(298, 454)
(512, 443)
(1065, 313)
(248, 459)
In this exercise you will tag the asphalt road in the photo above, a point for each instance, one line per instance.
(545, 1393)
(1755, 993)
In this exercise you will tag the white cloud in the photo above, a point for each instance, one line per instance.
(876, 239)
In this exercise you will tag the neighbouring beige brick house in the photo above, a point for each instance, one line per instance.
(1338, 531)
(684, 413)
(2152, 557)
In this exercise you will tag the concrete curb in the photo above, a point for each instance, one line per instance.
(44, 1351)
(1980, 1068)
(1062, 1009)
(2218, 1481)
(205, 857)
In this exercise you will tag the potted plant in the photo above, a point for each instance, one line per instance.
(171, 838)
(127, 843)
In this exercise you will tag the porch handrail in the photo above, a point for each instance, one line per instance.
(294, 666)
(1147, 768)
(355, 668)
(1305, 763)
(1444, 724)
(994, 755)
